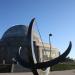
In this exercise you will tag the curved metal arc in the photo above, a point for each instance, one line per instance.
(32, 65)
(56, 60)
(18, 57)
(31, 54)
(30, 38)
(45, 64)
(30, 29)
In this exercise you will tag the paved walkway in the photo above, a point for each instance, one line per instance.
(68, 72)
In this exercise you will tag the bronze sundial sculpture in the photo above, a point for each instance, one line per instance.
(34, 66)
(27, 45)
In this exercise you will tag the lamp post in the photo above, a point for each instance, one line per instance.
(49, 68)
(50, 44)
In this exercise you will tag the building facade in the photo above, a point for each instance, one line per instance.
(15, 37)
(44, 49)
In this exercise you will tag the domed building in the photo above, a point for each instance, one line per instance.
(15, 37)
(11, 40)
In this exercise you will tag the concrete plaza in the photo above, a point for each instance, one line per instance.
(67, 72)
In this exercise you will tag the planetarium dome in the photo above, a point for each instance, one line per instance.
(13, 39)
(19, 32)
(15, 31)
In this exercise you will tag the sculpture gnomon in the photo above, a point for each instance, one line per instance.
(33, 65)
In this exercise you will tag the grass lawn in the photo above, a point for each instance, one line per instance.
(65, 66)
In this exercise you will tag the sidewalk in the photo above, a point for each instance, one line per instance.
(67, 72)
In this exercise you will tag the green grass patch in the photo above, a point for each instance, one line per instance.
(60, 67)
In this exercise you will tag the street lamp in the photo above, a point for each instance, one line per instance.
(49, 68)
(50, 44)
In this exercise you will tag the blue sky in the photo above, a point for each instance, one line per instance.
(52, 16)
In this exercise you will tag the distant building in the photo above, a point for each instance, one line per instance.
(15, 37)
(44, 49)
